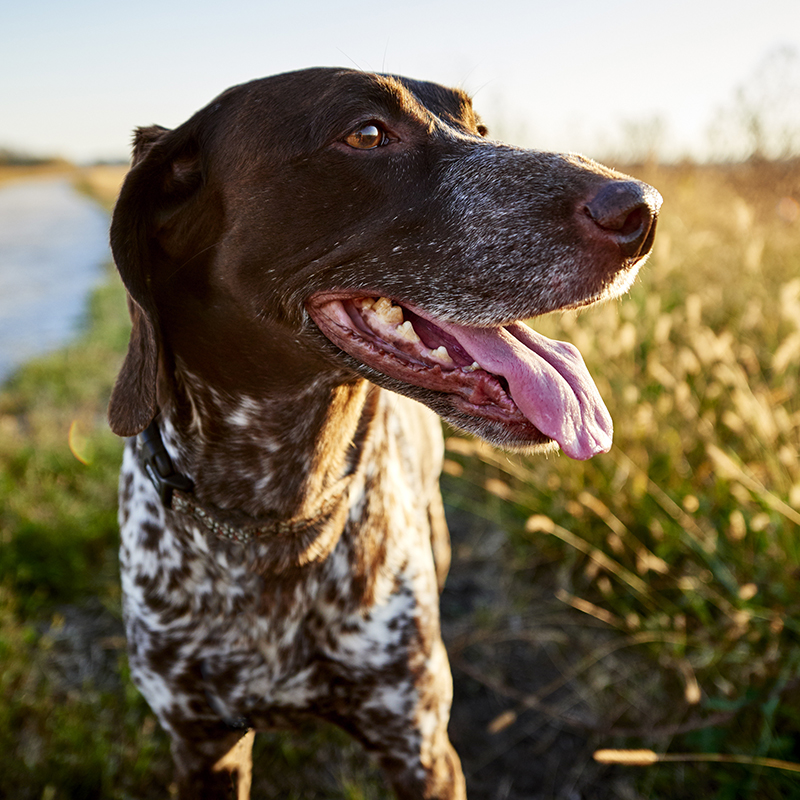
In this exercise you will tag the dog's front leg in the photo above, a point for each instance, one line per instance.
(212, 762)
(401, 717)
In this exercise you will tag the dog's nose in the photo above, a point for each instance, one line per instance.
(626, 212)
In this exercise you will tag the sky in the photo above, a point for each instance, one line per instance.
(76, 77)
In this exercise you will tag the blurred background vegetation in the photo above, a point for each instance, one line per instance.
(654, 590)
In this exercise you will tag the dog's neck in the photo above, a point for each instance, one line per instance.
(273, 455)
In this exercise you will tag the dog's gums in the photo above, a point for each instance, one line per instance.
(508, 374)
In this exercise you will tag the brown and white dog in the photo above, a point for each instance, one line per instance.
(300, 246)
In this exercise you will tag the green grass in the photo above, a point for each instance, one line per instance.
(682, 543)
(57, 513)
(59, 543)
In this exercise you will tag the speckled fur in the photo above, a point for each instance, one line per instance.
(224, 637)
(225, 230)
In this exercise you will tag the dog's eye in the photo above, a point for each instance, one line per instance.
(367, 138)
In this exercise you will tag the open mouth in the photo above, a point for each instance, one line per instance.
(507, 375)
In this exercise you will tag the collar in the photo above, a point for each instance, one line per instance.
(176, 493)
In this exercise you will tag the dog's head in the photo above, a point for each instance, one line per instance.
(334, 222)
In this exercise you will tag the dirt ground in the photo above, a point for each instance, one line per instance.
(521, 724)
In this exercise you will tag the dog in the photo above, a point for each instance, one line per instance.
(315, 262)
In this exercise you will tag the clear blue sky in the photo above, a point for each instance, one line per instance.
(76, 77)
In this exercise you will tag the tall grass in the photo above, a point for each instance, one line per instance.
(685, 539)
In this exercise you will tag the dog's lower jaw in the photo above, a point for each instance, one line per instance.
(527, 442)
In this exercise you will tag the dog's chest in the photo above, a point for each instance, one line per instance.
(205, 622)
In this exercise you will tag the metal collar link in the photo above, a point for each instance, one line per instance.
(176, 493)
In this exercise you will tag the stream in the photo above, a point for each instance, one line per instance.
(53, 245)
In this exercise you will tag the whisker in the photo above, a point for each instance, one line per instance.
(189, 260)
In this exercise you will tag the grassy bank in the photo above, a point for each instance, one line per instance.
(680, 548)
(102, 181)
(71, 723)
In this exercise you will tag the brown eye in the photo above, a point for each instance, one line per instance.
(367, 138)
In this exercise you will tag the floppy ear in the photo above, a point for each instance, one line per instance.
(164, 174)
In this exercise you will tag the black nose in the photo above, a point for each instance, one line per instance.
(626, 212)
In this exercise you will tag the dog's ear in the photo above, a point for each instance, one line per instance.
(165, 174)
(143, 141)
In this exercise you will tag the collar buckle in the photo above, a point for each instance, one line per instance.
(158, 466)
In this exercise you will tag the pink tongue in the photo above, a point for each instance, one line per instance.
(547, 380)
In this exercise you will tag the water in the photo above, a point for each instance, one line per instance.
(53, 245)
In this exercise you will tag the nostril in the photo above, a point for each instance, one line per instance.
(633, 222)
(625, 211)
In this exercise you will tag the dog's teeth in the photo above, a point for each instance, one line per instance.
(365, 303)
(406, 331)
(388, 312)
(441, 355)
(472, 367)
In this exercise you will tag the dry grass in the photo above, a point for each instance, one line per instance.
(684, 539)
(102, 181)
(13, 174)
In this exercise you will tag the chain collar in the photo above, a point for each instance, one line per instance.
(176, 493)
